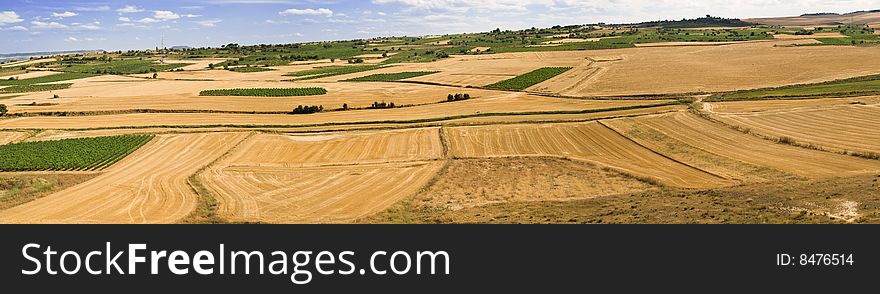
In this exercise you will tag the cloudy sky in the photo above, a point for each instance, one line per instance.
(31, 25)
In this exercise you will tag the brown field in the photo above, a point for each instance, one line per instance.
(147, 187)
(841, 128)
(508, 103)
(12, 137)
(785, 105)
(322, 178)
(748, 65)
(484, 181)
(714, 139)
(590, 142)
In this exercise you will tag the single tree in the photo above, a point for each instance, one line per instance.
(3, 109)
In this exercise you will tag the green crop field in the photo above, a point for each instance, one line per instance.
(69, 154)
(266, 92)
(526, 80)
(33, 88)
(251, 69)
(127, 66)
(858, 86)
(390, 77)
(330, 71)
(46, 79)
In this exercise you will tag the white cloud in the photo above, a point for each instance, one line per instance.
(129, 9)
(64, 14)
(165, 15)
(192, 15)
(16, 28)
(124, 19)
(319, 11)
(89, 26)
(148, 20)
(96, 8)
(269, 21)
(210, 23)
(9, 17)
(47, 25)
(71, 39)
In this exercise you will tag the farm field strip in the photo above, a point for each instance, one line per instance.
(69, 154)
(33, 88)
(529, 79)
(58, 77)
(735, 107)
(475, 108)
(584, 141)
(150, 186)
(339, 148)
(850, 128)
(265, 92)
(660, 142)
(12, 137)
(330, 194)
(390, 77)
(721, 140)
(333, 177)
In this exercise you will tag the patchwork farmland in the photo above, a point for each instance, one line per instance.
(771, 121)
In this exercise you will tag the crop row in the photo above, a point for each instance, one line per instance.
(69, 154)
(330, 71)
(265, 92)
(130, 66)
(390, 77)
(45, 79)
(529, 79)
(33, 88)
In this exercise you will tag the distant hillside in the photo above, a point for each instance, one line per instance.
(702, 22)
(7, 57)
(816, 19)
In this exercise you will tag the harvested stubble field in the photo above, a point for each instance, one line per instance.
(590, 142)
(503, 105)
(850, 128)
(324, 177)
(697, 141)
(149, 186)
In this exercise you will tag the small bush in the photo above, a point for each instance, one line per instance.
(3, 109)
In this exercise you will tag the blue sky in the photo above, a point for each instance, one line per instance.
(30, 25)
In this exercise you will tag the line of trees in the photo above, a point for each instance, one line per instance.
(300, 109)
(382, 105)
(457, 97)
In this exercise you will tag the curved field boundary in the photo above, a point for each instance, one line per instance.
(842, 129)
(587, 141)
(150, 186)
(721, 140)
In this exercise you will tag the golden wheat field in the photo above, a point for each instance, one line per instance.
(397, 134)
